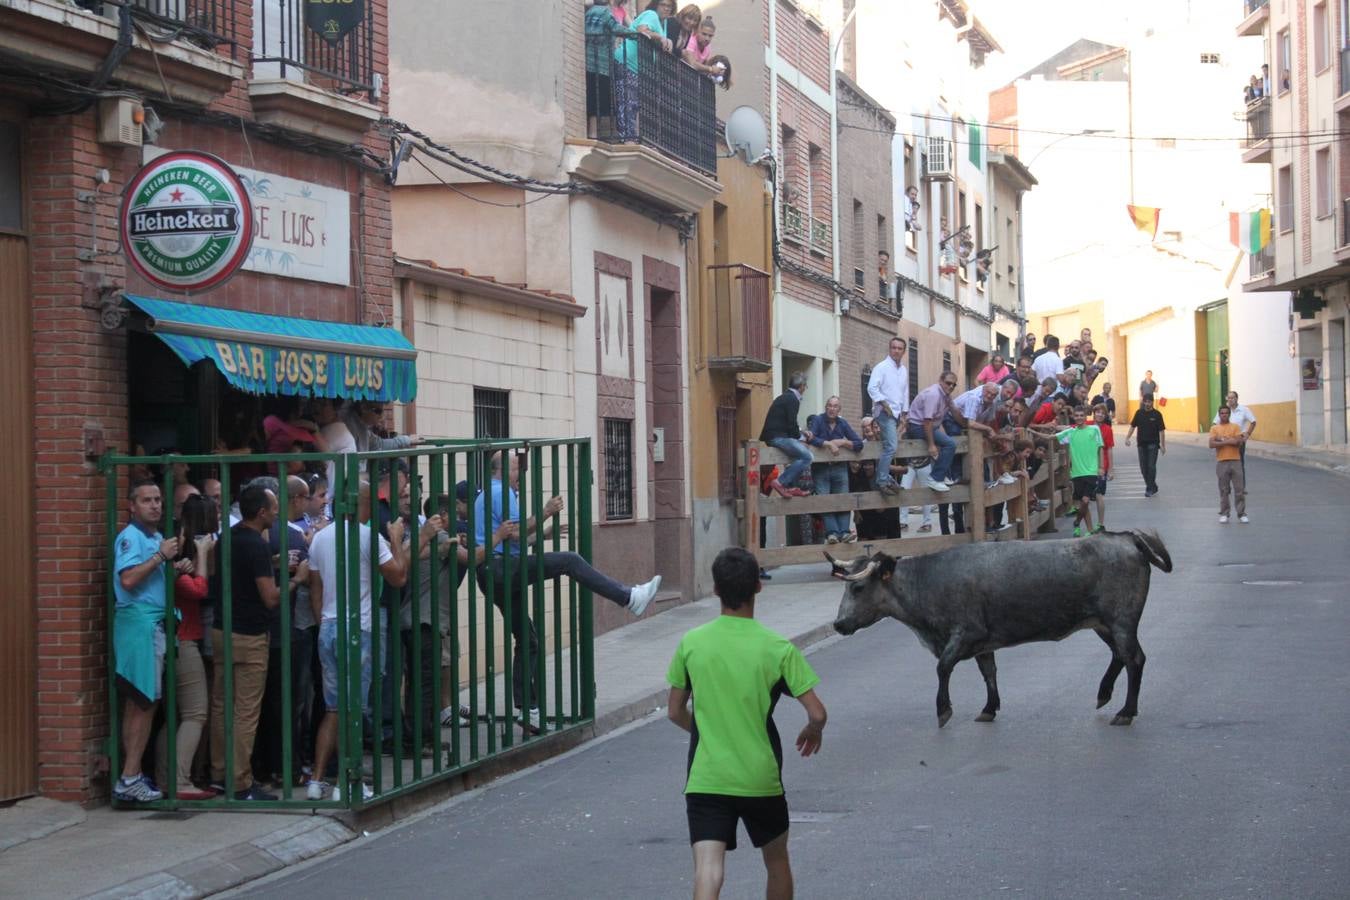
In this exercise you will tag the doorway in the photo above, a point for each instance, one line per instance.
(1335, 380)
(1311, 425)
(665, 358)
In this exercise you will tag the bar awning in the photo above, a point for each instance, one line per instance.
(264, 354)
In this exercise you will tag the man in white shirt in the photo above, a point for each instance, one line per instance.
(323, 562)
(888, 389)
(977, 404)
(1242, 417)
(1047, 363)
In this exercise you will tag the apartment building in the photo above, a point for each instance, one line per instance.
(261, 103)
(1296, 129)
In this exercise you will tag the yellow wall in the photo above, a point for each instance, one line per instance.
(1067, 321)
(748, 211)
(1179, 413)
(1276, 422)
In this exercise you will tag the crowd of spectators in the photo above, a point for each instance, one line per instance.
(1017, 412)
(402, 613)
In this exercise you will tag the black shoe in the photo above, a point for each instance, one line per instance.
(765, 576)
(254, 793)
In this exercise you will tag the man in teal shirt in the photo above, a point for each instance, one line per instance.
(736, 669)
(1087, 463)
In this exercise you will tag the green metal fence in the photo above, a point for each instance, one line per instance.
(502, 601)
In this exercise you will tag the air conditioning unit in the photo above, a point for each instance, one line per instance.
(119, 121)
(939, 160)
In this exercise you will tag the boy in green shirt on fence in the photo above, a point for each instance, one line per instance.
(1087, 463)
(739, 669)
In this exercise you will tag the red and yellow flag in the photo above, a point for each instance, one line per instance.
(1145, 218)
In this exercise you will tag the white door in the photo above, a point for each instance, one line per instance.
(1311, 429)
(1335, 379)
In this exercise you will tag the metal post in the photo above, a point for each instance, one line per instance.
(538, 625)
(283, 551)
(227, 627)
(584, 614)
(170, 680)
(414, 590)
(114, 704)
(557, 606)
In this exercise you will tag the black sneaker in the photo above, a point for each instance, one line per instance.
(765, 576)
(254, 793)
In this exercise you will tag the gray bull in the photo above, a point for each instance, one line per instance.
(973, 600)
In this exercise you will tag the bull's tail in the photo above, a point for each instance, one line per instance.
(1152, 547)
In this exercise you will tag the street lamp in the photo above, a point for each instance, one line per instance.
(1066, 137)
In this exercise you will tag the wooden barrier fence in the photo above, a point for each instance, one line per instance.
(1050, 484)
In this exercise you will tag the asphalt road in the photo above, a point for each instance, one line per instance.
(1231, 783)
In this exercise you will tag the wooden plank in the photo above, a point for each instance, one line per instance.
(825, 503)
(974, 470)
(810, 553)
(906, 449)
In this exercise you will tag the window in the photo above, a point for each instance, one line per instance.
(859, 246)
(946, 360)
(814, 184)
(1323, 173)
(913, 369)
(1284, 196)
(1209, 59)
(618, 469)
(11, 184)
(491, 414)
(1282, 58)
(960, 241)
(1321, 38)
(726, 452)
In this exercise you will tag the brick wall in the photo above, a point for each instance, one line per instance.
(82, 380)
(865, 336)
(805, 182)
(804, 42)
(865, 176)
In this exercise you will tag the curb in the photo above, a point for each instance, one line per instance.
(1294, 456)
(231, 866)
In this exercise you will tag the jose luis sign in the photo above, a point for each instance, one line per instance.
(186, 221)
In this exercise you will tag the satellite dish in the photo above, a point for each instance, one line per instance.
(745, 133)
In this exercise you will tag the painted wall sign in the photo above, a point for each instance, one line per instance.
(333, 20)
(302, 229)
(186, 221)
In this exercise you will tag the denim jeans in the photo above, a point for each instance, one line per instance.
(801, 459)
(832, 478)
(946, 448)
(887, 425)
(1148, 465)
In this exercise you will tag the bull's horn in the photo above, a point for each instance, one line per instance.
(834, 562)
(865, 573)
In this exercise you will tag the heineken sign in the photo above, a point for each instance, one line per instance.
(333, 20)
(186, 221)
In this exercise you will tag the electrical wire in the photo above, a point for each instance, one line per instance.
(465, 194)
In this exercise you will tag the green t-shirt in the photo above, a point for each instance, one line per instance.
(1083, 446)
(737, 669)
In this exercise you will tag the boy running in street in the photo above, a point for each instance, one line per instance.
(1102, 419)
(1087, 463)
(740, 669)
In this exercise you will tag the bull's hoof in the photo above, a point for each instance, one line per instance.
(1123, 720)
(1102, 701)
(944, 717)
(985, 717)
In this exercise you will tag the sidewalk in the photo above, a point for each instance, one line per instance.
(1330, 459)
(51, 849)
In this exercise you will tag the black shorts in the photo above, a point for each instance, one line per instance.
(713, 817)
(1085, 487)
(1101, 485)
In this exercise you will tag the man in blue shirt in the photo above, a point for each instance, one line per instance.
(830, 431)
(492, 524)
(140, 555)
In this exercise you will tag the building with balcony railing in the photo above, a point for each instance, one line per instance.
(89, 91)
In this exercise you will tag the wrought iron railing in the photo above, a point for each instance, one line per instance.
(1251, 6)
(820, 235)
(794, 224)
(1258, 121)
(637, 93)
(1262, 263)
(741, 337)
(206, 23)
(287, 45)
(1345, 222)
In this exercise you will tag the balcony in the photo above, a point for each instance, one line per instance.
(741, 339)
(185, 46)
(1262, 265)
(314, 77)
(794, 224)
(821, 234)
(1255, 15)
(1256, 149)
(1342, 252)
(651, 122)
(1345, 73)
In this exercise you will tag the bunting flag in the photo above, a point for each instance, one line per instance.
(1145, 218)
(1250, 231)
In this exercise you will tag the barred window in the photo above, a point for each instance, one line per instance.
(491, 414)
(726, 452)
(618, 469)
(946, 361)
(913, 369)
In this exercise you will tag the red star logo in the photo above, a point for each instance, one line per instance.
(176, 195)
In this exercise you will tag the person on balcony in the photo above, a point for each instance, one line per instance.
(682, 29)
(912, 209)
(698, 52)
(721, 66)
(601, 21)
(649, 25)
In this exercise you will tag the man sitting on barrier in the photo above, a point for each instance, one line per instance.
(782, 432)
(832, 432)
(324, 559)
(635, 599)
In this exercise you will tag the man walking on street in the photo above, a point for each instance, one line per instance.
(888, 389)
(1242, 417)
(1226, 438)
(1152, 441)
(1087, 463)
(739, 669)
(782, 432)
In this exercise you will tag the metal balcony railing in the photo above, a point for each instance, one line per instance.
(639, 94)
(1258, 121)
(287, 44)
(794, 224)
(1262, 263)
(1251, 6)
(206, 23)
(741, 337)
(1345, 70)
(820, 236)
(1345, 222)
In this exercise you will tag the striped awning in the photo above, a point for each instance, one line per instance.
(264, 354)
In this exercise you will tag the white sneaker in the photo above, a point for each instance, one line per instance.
(1243, 519)
(448, 717)
(367, 793)
(640, 596)
(316, 789)
(990, 485)
(1007, 478)
(950, 480)
(534, 717)
(936, 486)
(1223, 520)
